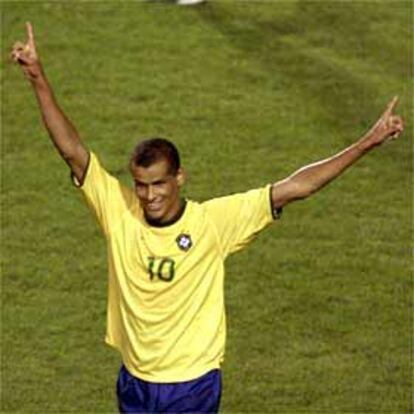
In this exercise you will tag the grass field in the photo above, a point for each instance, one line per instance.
(320, 306)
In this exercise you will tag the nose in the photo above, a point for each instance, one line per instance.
(150, 193)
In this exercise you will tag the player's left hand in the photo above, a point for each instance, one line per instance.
(389, 127)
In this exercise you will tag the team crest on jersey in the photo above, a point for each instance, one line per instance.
(184, 242)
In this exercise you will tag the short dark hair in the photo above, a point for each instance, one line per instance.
(151, 150)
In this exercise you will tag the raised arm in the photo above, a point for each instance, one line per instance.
(311, 178)
(62, 132)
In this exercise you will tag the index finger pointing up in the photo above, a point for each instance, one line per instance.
(30, 34)
(391, 106)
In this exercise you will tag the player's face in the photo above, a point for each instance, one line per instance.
(158, 190)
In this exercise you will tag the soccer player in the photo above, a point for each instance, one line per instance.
(166, 254)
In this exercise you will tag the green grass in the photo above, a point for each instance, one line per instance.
(320, 306)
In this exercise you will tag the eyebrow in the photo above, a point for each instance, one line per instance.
(160, 181)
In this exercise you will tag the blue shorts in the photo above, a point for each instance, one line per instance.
(201, 395)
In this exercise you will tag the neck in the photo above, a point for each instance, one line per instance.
(168, 221)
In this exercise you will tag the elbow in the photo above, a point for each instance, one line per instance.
(68, 157)
(287, 191)
(70, 153)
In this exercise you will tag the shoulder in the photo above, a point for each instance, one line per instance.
(102, 186)
(252, 196)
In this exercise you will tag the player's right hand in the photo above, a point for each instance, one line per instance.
(26, 56)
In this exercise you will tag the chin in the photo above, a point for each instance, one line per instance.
(154, 215)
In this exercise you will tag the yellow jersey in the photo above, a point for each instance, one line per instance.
(166, 284)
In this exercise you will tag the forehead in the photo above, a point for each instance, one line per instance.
(156, 171)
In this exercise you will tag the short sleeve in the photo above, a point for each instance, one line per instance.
(105, 195)
(239, 217)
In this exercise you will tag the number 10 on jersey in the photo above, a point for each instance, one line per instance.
(161, 267)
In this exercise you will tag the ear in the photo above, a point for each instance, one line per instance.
(181, 177)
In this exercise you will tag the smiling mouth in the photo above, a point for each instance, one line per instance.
(154, 206)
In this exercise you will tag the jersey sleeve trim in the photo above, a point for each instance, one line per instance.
(276, 212)
(79, 183)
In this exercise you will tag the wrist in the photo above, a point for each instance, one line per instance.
(35, 74)
(371, 140)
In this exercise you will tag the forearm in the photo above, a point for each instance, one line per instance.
(61, 130)
(313, 177)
